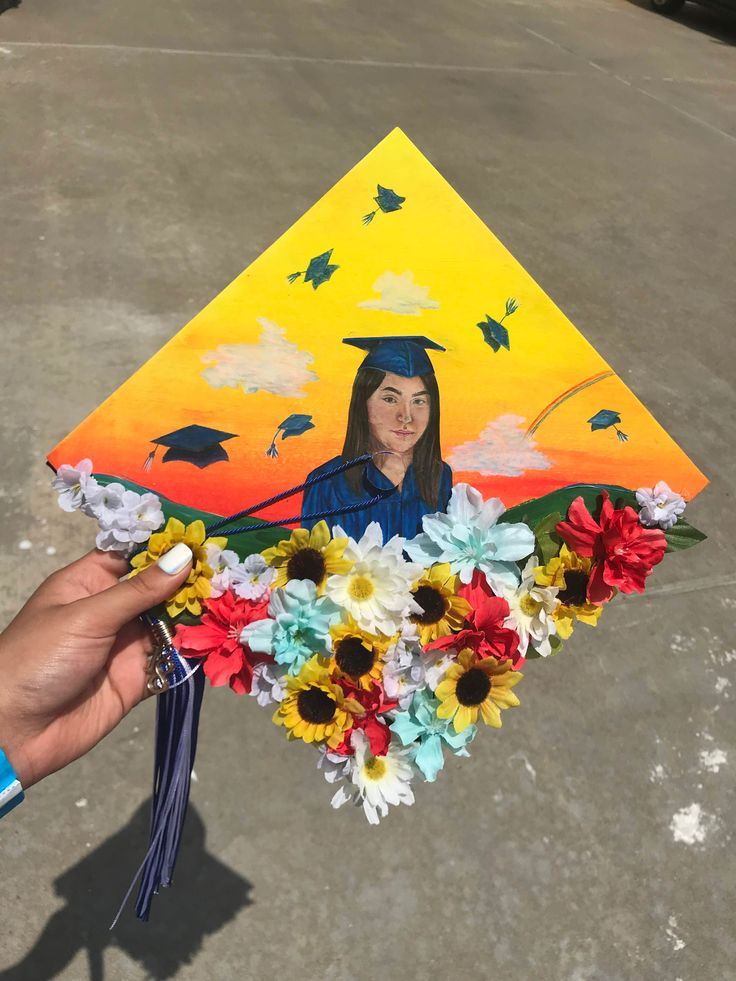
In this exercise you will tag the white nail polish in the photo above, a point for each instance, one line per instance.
(175, 559)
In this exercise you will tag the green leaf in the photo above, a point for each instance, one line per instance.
(533, 512)
(682, 535)
(548, 540)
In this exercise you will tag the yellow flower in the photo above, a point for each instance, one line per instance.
(443, 611)
(311, 555)
(475, 686)
(197, 586)
(569, 572)
(315, 708)
(358, 655)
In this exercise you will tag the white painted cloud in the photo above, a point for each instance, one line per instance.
(400, 294)
(502, 450)
(273, 364)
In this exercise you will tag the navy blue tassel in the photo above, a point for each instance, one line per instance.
(177, 723)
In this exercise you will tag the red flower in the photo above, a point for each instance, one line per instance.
(487, 635)
(217, 640)
(374, 703)
(624, 552)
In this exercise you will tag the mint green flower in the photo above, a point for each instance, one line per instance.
(298, 625)
(420, 727)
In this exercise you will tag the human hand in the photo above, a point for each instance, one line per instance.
(73, 661)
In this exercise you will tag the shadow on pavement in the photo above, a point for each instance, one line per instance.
(8, 5)
(205, 895)
(717, 23)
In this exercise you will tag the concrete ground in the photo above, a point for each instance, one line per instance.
(149, 151)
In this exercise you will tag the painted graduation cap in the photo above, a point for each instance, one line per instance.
(404, 355)
(198, 445)
(514, 402)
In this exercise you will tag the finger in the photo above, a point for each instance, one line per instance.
(109, 610)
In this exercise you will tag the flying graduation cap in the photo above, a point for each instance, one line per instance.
(387, 200)
(294, 425)
(198, 445)
(606, 418)
(494, 332)
(319, 270)
(403, 355)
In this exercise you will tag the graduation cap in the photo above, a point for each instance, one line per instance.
(494, 332)
(294, 425)
(403, 355)
(387, 200)
(198, 445)
(317, 272)
(606, 418)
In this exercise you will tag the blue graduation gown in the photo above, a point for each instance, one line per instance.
(400, 513)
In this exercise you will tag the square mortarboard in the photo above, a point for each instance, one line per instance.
(403, 355)
(198, 445)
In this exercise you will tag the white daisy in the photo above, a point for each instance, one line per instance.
(377, 780)
(376, 591)
(530, 611)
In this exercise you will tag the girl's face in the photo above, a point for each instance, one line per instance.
(398, 413)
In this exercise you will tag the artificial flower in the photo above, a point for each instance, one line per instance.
(129, 523)
(357, 655)
(469, 538)
(378, 781)
(268, 686)
(196, 587)
(476, 686)
(374, 703)
(660, 505)
(252, 578)
(298, 625)
(376, 591)
(421, 728)
(103, 502)
(488, 617)
(442, 610)
(216, 639)
(624, 553)
(73, 483)
(313, 555)
(437, 661)
(569, 574)
(315, 708)
(531, 609)
(249, 579)
(404, 670)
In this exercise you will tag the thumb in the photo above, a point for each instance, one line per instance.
(111, 609)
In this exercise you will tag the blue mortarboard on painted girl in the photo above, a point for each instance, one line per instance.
(395, 415)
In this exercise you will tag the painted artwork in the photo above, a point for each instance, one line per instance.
(388, 325)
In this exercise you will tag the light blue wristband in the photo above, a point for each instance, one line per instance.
(11, 792)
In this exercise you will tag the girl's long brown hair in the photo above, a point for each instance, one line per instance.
(427, 459)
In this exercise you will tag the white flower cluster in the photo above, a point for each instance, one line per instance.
(125, 518)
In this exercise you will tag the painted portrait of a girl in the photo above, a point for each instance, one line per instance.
(394, 415)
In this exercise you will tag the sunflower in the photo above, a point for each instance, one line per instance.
(307, 554)
(476, 686)
(442, 610)
(315, 708)
(197, 586)
(570, 573)
(358, 655)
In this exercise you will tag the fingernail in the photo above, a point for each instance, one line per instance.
(175, 559)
